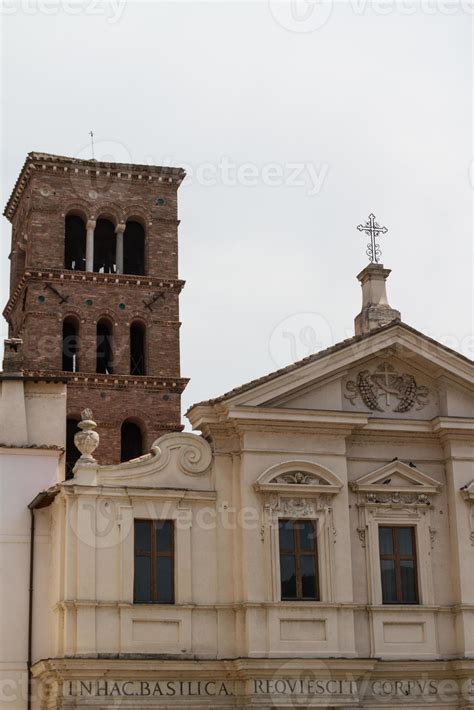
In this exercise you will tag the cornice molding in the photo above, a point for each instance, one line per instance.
(93, 380)
(242, 416)
(85, 277)
(45, 163)
(453, 427)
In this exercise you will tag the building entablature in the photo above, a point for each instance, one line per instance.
(242, 419)
(181, 683)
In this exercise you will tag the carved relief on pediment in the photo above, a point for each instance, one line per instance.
(300, 478)
(385, 389)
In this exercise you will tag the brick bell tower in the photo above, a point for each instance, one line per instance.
(94, 293)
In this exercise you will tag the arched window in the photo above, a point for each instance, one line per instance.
(104, 347)
(75, 243)
(131, 441)
(72, 453)
(104, 247)
(137, 349)
(70, 344)
(134, 249)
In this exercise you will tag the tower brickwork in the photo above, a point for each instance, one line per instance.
(94, 291)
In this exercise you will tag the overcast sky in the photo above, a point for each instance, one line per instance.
(295, 121)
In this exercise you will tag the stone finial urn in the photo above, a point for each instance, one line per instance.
(86, 440)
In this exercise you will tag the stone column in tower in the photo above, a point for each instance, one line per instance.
(90, 245)
(119, 230)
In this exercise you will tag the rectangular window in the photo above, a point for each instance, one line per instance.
(398, 565)
(154, 562)
(298, 560)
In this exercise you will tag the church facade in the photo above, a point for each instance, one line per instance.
(311, 545)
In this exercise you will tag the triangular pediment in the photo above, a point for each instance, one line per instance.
(396, 476)
(395, 372)
(397, 340)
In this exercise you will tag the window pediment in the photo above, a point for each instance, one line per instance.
(298, 478)
(396, 483)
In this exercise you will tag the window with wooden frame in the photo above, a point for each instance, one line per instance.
(154, 562)
(398, 567)
(298, 560)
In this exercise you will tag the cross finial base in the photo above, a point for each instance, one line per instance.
(376, 311)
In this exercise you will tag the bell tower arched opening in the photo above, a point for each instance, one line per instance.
(137, 349)
(70, 351)
(105, 247)
(134, 249)
(131, 441)
(104, 347)
(75, 243)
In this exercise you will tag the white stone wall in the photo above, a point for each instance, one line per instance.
(32, 415)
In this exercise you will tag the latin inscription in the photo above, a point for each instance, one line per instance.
(301, 686)
(307, 687)
(149, 689)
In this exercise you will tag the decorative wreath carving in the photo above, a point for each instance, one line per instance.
(400, 390)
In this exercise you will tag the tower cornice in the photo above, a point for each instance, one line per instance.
(88, 277)
(93, 380)
(59, 164)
